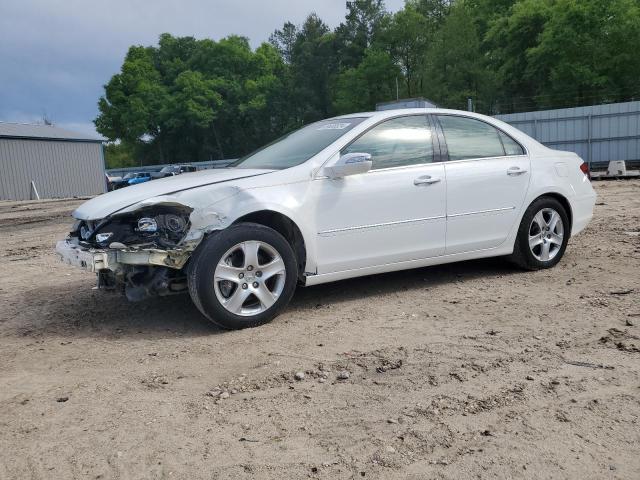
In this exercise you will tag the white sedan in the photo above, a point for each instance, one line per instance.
(354, 195)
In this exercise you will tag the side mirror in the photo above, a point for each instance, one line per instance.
(350, 164)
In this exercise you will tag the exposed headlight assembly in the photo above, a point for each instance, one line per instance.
(175, 223)
(161, 227)
(164, 226)
(103, 237)
(148, 225)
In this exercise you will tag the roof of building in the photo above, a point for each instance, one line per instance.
(418, 102)
(43, 132)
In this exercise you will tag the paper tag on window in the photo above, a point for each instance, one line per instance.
(334, 126)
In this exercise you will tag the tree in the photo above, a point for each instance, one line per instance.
(587, 53)
(120, 155)
(188, 113)
(404, 37)
(373, 81)
(188, 100)
(358, 32)
(558, 53)
(130, 108)
(284, 40)
(485, 12)
(434, 11)
(508, 41)
(456, 69)
(313, 68)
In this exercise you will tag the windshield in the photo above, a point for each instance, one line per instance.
(299, 146)
(128, 176)
(168, 169)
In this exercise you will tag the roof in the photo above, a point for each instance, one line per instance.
(43, 132)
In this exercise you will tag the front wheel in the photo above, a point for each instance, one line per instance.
(542, 236)
(242, 276)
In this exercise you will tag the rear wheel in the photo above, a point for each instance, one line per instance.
(542, 236)
(243, 276)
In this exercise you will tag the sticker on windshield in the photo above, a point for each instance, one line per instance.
(334, 126)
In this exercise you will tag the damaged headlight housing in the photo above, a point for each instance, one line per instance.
(159, 227)
(148, 225)
(103, 237)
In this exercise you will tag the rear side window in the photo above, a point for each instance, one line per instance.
(470, 138)
(511, 147)
(397, 142)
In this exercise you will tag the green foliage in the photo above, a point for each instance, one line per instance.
(587, 52)
(456, 70)
(313, 66)
(374, 80)
(188, 100)
(405, 37)
(362, 24)
(284, 40)
(119, 155)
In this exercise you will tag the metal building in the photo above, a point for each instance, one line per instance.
(43, 161)
(406, 103)
(598, 133)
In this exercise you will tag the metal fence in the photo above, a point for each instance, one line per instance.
(598, 133)
(120, 172)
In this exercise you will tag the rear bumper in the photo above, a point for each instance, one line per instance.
(582, 211)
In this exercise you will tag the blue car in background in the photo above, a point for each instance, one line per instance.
(140, 177)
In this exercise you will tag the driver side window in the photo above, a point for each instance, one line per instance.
(397, 142)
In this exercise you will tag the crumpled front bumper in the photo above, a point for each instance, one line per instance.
(87, 259)
(94, 260)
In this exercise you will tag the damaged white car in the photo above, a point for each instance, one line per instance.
(345, 197)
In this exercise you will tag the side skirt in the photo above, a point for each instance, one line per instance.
(504, 249)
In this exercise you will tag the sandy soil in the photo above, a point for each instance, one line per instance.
(473, 370)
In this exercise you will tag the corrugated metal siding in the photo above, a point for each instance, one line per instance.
(58, 168)
(599, 133)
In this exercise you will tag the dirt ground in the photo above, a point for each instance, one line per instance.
(472, 370)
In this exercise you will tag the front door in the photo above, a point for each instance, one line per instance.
(394, 213)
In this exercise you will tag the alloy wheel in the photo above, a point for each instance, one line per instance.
(546, 234)
(249, 278)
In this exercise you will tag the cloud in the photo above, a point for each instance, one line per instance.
(57, 54)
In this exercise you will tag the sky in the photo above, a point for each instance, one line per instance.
(56, 55)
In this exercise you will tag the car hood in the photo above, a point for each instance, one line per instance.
(104, 205)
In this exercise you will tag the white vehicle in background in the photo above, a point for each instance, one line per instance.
(354, 195)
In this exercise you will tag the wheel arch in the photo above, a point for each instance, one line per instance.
(286, 227)
(564, 201)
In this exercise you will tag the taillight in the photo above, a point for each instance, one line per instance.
(585, 169)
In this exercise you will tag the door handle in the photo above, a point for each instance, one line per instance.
(425, 180)
(515, 171)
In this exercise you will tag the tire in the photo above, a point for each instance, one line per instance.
(547, 246)
(232, 292)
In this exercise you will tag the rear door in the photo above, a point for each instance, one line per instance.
(488, 176)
